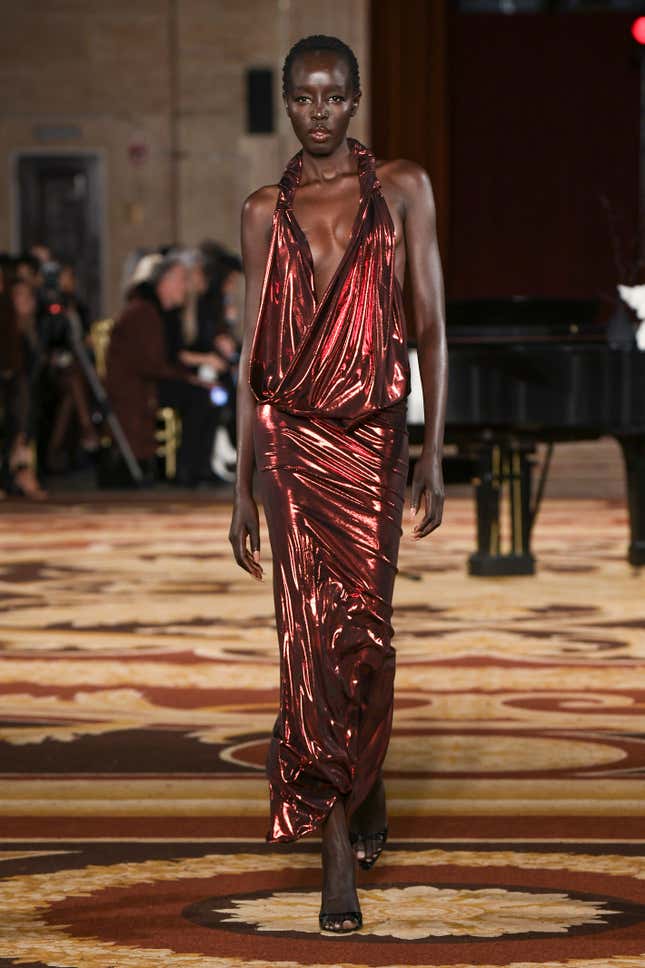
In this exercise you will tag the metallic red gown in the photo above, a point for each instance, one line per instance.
(331, 447)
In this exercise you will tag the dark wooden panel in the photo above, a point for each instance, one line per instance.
(409, 95)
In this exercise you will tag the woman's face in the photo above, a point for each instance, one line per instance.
(172, 287)
(24, 301)
(320, 101)
(26, 272)
(66, 279)
(198, 280)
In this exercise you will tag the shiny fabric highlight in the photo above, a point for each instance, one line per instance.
(331, 449)
(345, 355)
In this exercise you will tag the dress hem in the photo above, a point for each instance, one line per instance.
(313, 829)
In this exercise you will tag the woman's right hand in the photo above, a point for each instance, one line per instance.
(246, 522)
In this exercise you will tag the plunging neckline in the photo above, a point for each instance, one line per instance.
(343, 354)
(363, 196)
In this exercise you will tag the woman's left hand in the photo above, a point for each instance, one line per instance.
(427, 480)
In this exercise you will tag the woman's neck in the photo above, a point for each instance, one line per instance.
(329, 167)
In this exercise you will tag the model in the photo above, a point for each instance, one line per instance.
(324, 376)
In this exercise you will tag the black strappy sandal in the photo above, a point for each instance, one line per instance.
(380, 836)
(327, 920)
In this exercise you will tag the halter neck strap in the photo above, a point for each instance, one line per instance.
(366, 166)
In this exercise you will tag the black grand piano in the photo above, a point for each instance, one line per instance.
(525, 371)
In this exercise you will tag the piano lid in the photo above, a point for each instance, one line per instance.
(527, 319)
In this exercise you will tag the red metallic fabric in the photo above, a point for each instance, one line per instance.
(345, 355)
(331, 448)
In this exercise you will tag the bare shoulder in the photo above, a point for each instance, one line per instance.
(405, 178)
(257, 210)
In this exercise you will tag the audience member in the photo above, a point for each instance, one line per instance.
(41, 252)
(22, 362)
(217, 304)
(9, 365)
(197, 286)
(220, 332)
(232, 296)
(214, 356)
(66, 378)
(29, 269)
(142, 376)
(176, 343)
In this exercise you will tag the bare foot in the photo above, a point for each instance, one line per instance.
(368, 823)
(339, 883)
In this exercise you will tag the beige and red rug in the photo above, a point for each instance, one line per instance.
(139, 684)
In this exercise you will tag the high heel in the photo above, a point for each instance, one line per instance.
(22, 476)
(25, 484)
(330, 921)
(380, 836)
(338, 860)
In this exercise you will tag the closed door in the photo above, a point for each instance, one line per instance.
(59, 205)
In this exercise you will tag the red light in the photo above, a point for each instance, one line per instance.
(638, 30)
(55, 309)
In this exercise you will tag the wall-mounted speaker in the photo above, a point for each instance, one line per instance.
(259, 100)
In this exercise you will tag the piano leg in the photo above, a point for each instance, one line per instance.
(500, 466)
(634, 456)
(487, 502)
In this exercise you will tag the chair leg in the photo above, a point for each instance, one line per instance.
(169, 438)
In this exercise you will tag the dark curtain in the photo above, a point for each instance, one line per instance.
(529, 128)
(545, 142)
(408, 94)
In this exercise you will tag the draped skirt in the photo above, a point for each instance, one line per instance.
(333, 500)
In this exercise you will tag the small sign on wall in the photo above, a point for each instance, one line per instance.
(138, 149)
(51, 133)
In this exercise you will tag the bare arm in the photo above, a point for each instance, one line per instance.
(429, 316)
(191, 358)
(256, 228)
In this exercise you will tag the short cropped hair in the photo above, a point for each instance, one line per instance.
(318, 42)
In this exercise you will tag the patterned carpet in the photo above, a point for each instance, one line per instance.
(139, 678)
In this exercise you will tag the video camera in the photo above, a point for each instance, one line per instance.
(55, 323)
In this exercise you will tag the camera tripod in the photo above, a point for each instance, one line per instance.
(103, 403)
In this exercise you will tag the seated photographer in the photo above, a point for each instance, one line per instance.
(22, 359)
(9, 365)
(67, 383)
(142, 376)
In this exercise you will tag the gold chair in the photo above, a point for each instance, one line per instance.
(168, 431)
(100, 333)
(168, 437)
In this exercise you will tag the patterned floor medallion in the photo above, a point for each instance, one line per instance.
(419, 912)
(428, 905)
(139, 685)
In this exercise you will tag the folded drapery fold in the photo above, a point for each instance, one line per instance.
(331, 377)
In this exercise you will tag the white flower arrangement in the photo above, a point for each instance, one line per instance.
(634, 296)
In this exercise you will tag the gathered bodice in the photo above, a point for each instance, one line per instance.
(344, 354)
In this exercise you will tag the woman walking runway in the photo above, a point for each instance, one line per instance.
(323, 413)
